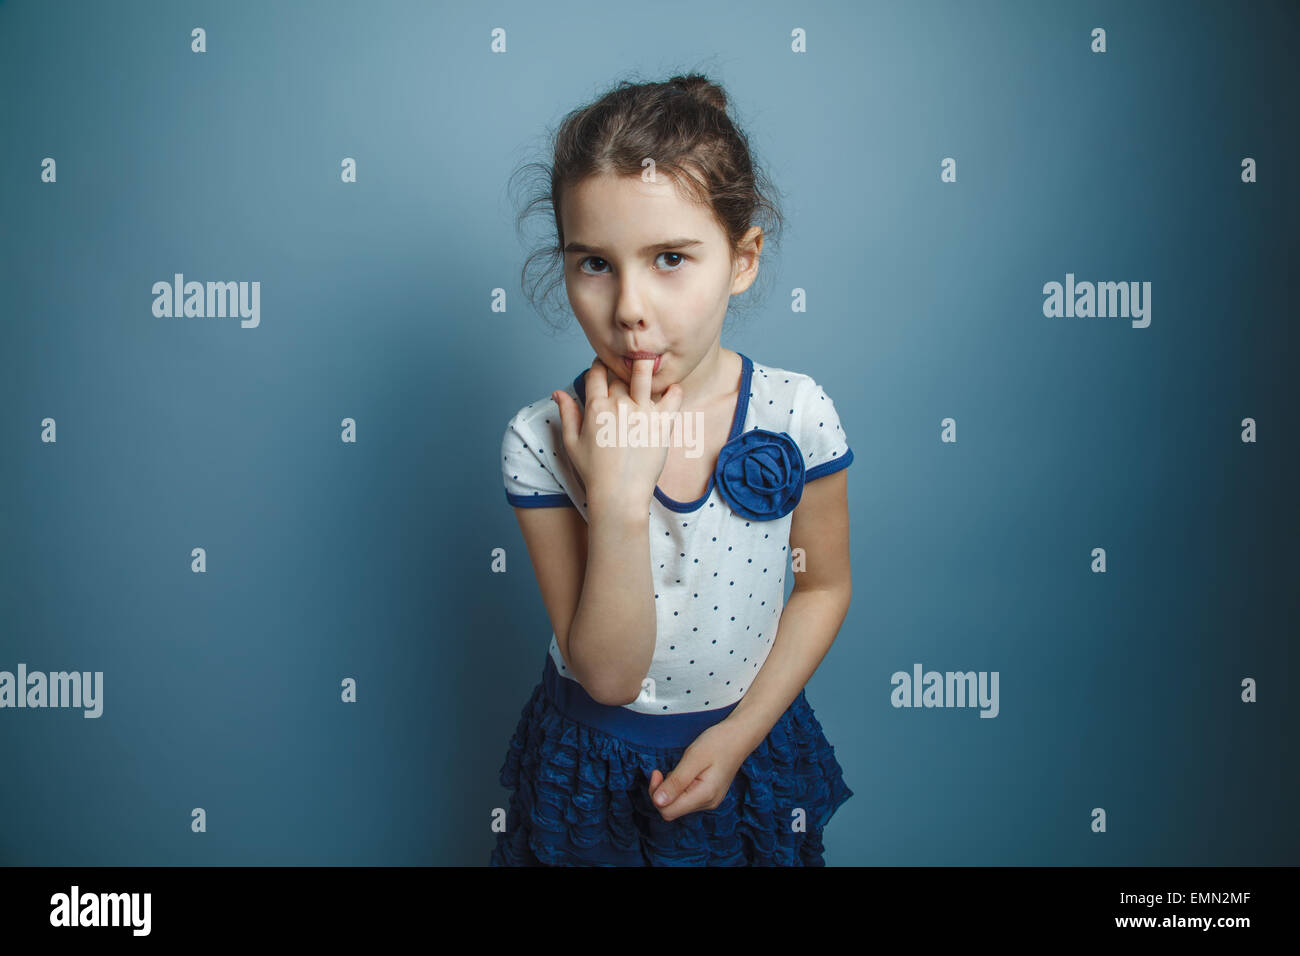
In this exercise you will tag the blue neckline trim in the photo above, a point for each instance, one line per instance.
(737, 423)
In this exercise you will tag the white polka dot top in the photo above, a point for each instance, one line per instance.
(718, 562)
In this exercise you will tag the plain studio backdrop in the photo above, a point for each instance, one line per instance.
(939, 165)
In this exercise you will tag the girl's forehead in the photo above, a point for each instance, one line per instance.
(598, 190)
(626, 208)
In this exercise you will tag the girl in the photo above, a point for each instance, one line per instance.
(670, 726)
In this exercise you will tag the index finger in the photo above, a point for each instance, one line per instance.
(643, 371)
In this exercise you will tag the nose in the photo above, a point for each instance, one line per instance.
(629, 311)
(630, 324)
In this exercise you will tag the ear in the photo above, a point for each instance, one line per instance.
(745, 268)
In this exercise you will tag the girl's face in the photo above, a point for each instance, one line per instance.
(648, 271)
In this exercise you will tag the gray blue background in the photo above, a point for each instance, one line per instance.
(328, 560)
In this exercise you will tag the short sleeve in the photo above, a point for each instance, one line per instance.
(821, 435)
(529, 482)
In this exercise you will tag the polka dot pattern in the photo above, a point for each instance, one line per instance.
(719, 579)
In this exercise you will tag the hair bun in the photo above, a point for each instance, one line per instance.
(701, 88)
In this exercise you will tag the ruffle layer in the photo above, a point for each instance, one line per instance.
(580, 798)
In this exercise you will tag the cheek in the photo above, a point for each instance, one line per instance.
(695, 293)
(582, 295)
(703, 302)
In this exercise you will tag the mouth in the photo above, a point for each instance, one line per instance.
(630, 357)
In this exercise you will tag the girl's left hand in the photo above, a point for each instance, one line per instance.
(703, 776)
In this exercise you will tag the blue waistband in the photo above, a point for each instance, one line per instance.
(650, 730)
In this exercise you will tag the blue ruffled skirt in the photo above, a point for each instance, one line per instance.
(579, 776)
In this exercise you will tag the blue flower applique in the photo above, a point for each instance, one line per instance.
(760, 474)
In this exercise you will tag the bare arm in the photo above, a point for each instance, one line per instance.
(812, 617)
(597, 586)
(612, 638)
(596, 583)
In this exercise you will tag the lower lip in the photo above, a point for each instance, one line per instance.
(658, 359)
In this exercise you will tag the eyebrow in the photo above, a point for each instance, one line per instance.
(656, 247)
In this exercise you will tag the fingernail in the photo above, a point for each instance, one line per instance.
(661, 798)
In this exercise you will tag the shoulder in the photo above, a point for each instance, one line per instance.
(772, 387)
(541, 418)
(785, 400)
(535, 417)
(534, 464)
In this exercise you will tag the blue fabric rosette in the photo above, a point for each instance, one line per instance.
(760, 474)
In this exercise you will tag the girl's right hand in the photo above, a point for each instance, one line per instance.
(617, 475)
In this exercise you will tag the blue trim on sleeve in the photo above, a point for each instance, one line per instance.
(538, 501)
(829, 467)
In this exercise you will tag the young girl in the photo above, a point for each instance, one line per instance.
(670, 726)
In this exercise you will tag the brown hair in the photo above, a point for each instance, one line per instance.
(684, 126)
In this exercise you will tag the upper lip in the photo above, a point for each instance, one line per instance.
(641, 355)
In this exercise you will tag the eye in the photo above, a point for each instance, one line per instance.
(672, 267)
